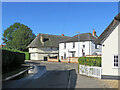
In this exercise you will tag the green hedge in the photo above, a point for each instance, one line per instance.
(90, 61)
(11, 60)
(27, 55)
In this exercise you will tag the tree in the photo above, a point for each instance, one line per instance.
(18, 36)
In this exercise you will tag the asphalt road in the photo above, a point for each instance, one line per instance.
(47, 75)
(53, 75)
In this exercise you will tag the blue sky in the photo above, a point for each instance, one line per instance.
(60, 17)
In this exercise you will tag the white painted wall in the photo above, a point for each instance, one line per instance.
(40, 53)
(119, 46)
(89, 49)
(109, 49)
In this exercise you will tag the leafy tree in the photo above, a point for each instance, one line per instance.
(18, 36)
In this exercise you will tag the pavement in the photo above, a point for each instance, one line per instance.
(54, 75)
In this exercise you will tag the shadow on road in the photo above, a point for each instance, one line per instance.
(50, 79)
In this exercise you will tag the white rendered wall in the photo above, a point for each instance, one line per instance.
(109, 49)
(40, 53)
(89, 49)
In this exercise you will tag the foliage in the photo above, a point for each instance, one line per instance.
(90, 61)
(18, 36)
(27, 55)
(11, 60)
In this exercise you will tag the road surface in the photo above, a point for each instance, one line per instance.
(54, 75)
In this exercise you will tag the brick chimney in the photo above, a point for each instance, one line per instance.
(94, 32)
(62, 34)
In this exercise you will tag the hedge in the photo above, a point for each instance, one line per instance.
(90, 61)
(27, 55)
(11, 60)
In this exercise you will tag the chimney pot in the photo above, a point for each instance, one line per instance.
(62, 34)
(94, 32)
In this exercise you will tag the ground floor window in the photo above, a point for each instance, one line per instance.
(73, 54)
(83, 54)
(64, 55)
(115, 61)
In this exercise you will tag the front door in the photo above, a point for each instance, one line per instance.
(45, 58)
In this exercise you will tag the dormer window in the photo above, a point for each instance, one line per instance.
(45, 39)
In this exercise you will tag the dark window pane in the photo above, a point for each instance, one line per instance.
(116, 56)
(116, 64)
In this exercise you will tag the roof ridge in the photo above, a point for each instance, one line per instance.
(53, 35)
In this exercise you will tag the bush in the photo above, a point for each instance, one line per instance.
(90, 61)
(27, 55)
(11, 60)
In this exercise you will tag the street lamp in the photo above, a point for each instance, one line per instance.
(78, 41)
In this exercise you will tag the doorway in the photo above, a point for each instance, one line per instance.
(45, 58)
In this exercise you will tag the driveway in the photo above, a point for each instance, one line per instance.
(54, 75)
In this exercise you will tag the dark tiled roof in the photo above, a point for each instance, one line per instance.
(108, 30)
(49, 41)
(82, 37)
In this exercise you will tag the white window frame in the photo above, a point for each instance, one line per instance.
(118, 61)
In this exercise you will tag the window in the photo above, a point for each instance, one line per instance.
(64, 55)
(83, 54)
(96, 46)
(64, 45)
(73, 44)
(73, 54)
(115, 61)
(83, 46)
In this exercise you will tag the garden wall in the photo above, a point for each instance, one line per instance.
(70, 60)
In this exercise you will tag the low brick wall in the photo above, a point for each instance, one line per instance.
(65, 60)
(93, 56)
(73, 59)
(53, 59)
(70, 60)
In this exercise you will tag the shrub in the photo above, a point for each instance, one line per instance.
(90, 61)
(27, 55)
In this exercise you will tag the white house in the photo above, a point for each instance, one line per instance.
(79, 45)
(110, 41)
(44, 46)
